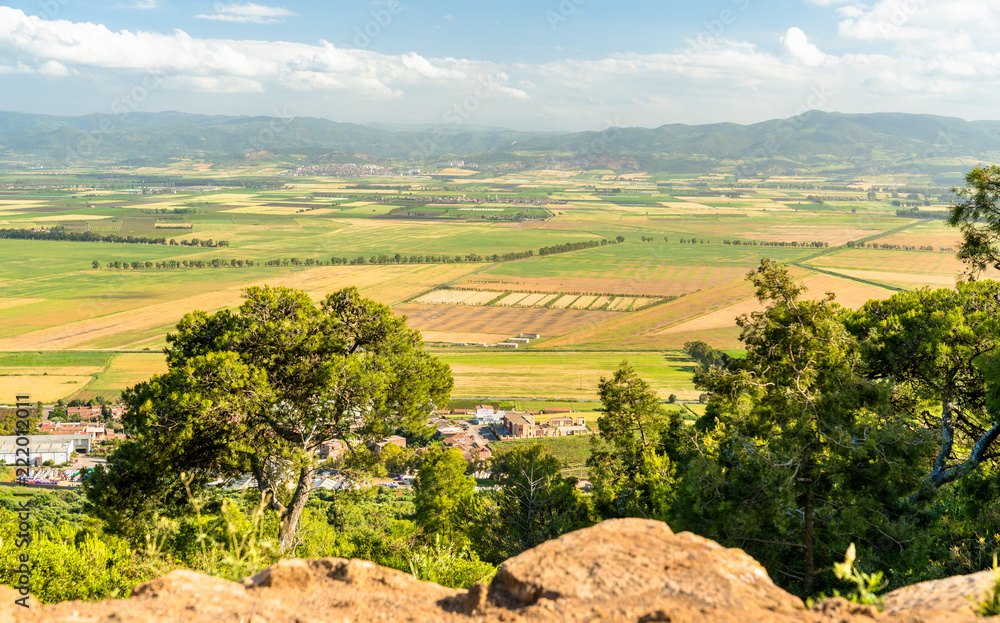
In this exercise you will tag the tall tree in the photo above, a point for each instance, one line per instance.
(802, 444)
(977, 215)
(442, 492)
(533, 503)
(630, 455)
(259, 389)
(941, 346)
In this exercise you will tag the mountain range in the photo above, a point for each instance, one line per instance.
(812, 142)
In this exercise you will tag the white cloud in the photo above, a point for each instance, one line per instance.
(715, 81)
(797, 46)
(248, 13)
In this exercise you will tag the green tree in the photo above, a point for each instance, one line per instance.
(534, 503)
(399, 460)
(940, 346)
(802, 451)
(630, 456)
(257, 390)
(441, 492)
(706, 356)
(977, 216)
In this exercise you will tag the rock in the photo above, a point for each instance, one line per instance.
(185, 585)
(621, 570)
(950, 595)
(624, 557)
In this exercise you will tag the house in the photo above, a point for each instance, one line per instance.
(487, 416)
(92, 413)
(493, 419)
(520, 425)
(470, 448)
(395, 440)
(566, 420)
(332, 449)
(96, 432)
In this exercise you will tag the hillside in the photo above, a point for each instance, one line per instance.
(815, 141)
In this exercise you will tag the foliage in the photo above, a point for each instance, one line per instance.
(977, 216)
(442, 490)
(258, 390)
(447, 564)
(631, 455)
(73, 562)
(989, 604)
(531, 504)
(940, 346)
(801, 452)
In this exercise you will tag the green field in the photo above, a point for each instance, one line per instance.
(572, 451)
(53, 301)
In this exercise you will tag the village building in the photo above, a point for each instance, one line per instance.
(42, 448)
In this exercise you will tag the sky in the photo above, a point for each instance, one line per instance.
(558, 65)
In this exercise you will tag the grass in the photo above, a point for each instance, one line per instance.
(572, 451)
(559, 374)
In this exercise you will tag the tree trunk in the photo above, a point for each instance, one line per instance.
(807, 540)
(289, 526)
(940, 473)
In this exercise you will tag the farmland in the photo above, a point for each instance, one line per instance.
(604, 267)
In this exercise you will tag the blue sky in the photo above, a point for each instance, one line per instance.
(540, 64)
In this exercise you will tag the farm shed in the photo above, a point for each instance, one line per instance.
(38, 451)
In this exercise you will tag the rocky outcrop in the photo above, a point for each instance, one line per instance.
(620, 570)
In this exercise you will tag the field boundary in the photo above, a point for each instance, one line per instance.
(869, 282)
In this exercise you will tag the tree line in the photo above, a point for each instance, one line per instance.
(360, 260)
(885, 246)
(769, 243)
(59, 233)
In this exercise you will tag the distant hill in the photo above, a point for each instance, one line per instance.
(815, 141)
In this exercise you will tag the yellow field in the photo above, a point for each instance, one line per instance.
(480, 298)
(545, 299)
(582, 302)
(460, 336)
(849, 294)
(45, 388)
(50, 370)
(68, 217)
(507, 321)
(565, 301)
(600, 302)
(263, 209)
(639, 303)
(833, 235)
(127, 370)
(11, 302)
(894, 278)
(531, 300)
(512, 299)
(621, 303)
(446, 297)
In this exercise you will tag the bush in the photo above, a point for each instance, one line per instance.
(449, 565)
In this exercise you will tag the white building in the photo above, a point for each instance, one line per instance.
(486, 416)
(38, 451)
